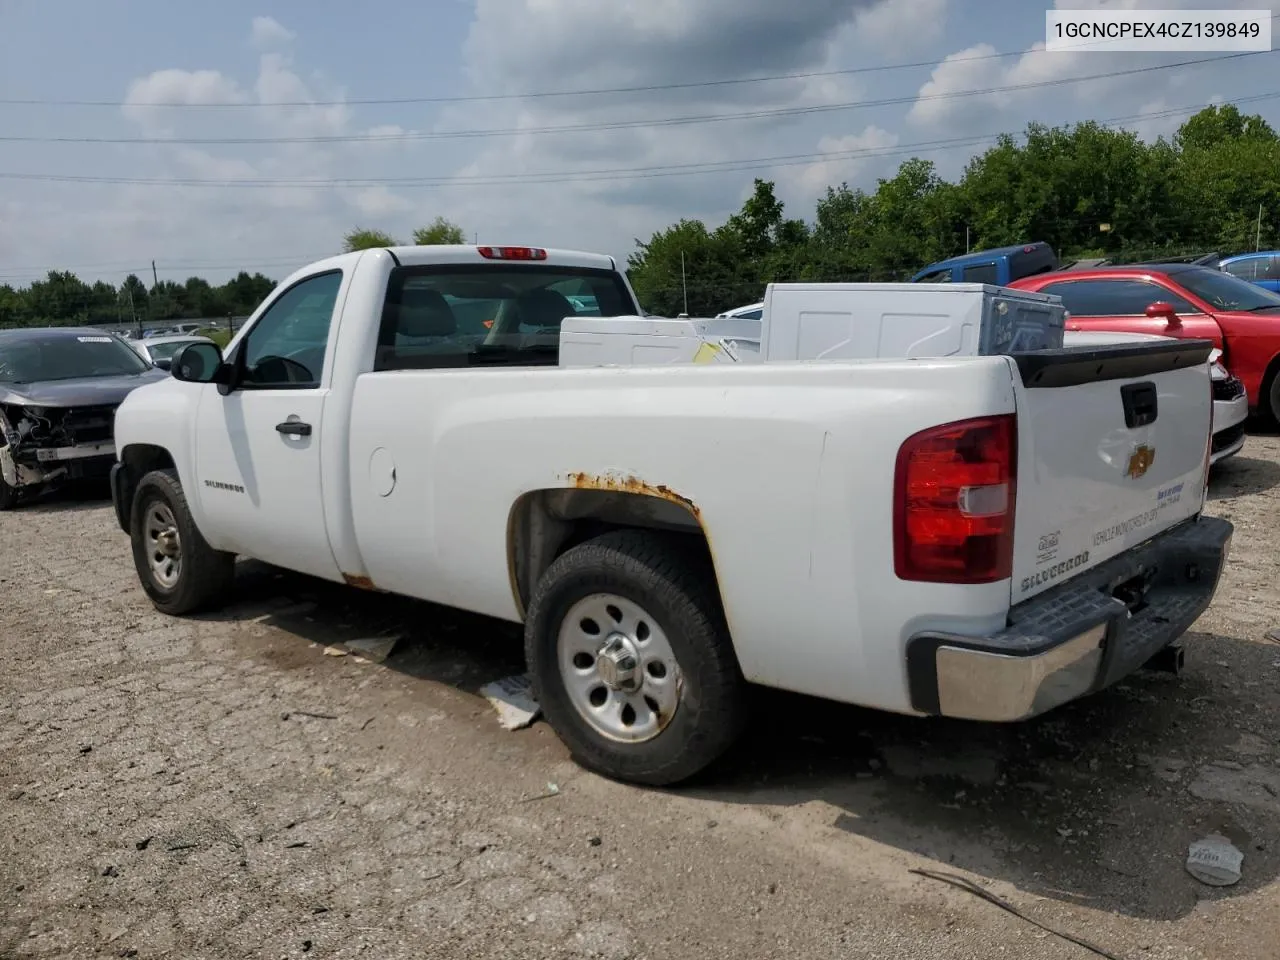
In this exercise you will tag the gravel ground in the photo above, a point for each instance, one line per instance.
(222, 787)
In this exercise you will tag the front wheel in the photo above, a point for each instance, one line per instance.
(179, 571)
(631, 658)
(1272, 398)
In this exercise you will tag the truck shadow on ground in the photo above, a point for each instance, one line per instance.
(1094, 804)
(1240, 476)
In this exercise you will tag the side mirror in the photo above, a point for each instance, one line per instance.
(1160, 310)
(199, 363)
(162, 364)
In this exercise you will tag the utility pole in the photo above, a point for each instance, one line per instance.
(1257, 241)
(133, 314)
(684, 286)
(966, 238)
(155, 279)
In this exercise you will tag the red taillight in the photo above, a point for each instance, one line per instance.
(512, 253)
(953, 508)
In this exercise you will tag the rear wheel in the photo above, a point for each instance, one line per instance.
(631, 658)
(178, 569)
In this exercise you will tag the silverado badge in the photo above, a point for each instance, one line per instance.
(1140, 461)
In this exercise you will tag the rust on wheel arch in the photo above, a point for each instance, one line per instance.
(360, 583)
(633, 484)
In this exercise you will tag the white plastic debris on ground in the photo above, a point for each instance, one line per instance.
(376, 649)
(364, 650)
(513, 698)
(1215, 861)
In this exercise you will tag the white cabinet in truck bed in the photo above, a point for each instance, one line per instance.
(863, 321)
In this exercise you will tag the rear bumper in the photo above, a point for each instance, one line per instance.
(1077, 638)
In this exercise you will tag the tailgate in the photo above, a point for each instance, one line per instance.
(1112, 449)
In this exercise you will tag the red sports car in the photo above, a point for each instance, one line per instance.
(1180, 300)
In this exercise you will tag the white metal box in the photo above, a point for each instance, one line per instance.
(863, 321)
(648, 341)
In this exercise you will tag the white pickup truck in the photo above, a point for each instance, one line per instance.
(978, 537)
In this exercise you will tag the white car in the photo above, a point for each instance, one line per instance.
(982, 537)
(160, 351)
(752, 311)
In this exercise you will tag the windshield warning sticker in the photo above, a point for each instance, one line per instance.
(94, 339)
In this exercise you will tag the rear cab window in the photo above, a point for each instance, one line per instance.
(982, 273)
(489, 315)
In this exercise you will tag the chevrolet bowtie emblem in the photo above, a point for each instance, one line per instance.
(1140, 461)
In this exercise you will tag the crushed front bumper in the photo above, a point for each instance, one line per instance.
(33, 466)
(1075, 639)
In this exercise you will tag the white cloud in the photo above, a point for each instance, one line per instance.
(378, 203)
(523, 45)
(269, 32)
(852, 156)
(145, 96)
(900, 26)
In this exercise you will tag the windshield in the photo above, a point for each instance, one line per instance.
(1225, 292)
(168, 350)
(508, 315)
(38, 358)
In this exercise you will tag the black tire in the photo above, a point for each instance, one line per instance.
(8, 496)
(675, 585)
(1271, 397)
(205, 574)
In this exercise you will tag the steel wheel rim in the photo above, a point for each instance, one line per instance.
(164, 545)
(621, 701)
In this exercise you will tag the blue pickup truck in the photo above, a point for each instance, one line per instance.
(1000, 266)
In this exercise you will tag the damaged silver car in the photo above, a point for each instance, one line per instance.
(59, 389)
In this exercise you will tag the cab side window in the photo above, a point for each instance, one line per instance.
(1113, 298)
(287, 346)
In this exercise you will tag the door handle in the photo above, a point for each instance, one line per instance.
(294, 428)
(1141, 405)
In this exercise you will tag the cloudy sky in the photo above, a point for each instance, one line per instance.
(287, 123)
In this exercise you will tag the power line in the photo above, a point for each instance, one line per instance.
(619, 173)
(536, 95)
(772, 113)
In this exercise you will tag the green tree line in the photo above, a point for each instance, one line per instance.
(62, 298)
(1086, 189)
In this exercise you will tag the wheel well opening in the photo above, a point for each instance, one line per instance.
(139, 459)
(1268, 377)
(545, 523)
